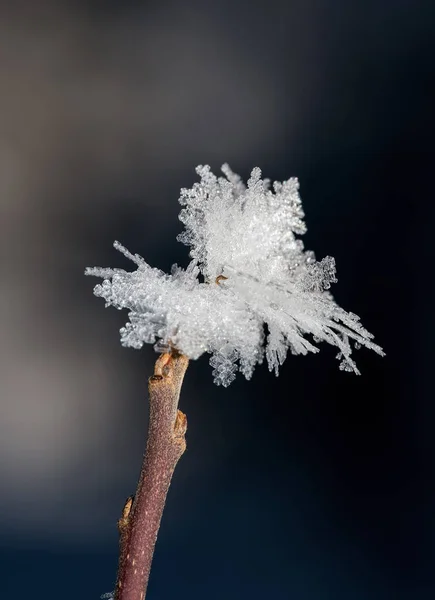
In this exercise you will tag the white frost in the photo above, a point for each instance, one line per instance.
(255, 271)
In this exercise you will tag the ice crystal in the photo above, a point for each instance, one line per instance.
(255, 273)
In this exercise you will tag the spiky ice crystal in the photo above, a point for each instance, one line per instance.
(255, 272)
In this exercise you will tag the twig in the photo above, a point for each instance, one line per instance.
(140, 520)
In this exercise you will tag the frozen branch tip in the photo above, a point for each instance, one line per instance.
(248, 269)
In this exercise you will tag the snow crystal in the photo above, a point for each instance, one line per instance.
(256, 272)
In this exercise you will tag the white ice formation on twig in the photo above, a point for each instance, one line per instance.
(249, 274)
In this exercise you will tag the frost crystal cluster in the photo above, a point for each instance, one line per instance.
(251, 290)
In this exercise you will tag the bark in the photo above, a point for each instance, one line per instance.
(140, 520)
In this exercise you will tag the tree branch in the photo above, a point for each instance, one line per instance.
(140, 520)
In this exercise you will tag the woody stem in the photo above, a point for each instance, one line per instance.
(140, 521)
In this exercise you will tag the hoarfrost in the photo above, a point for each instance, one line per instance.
(256, 271)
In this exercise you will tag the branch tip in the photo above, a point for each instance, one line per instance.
(162, 362)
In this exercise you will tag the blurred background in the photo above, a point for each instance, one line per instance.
(316, 485)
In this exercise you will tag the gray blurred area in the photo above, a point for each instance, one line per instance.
(106, 108)
(104, 115)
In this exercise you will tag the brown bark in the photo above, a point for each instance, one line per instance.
(140, 520)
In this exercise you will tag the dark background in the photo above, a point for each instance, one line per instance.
(316, 485)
